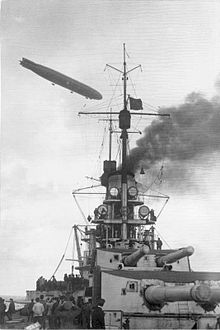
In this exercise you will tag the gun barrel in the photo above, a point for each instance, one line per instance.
(158, 295)
(133, 258)
(174, 256)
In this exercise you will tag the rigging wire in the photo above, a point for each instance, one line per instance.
(61, 260)
(102, 105)
(91, 178)
(81, 231)
(158, 192)
(163, 207)
(73, 254)
(108, 106)
(128, 147)
(102, 144)
(163, 238)
(157, 177)
(118, 154)
(80, 209)
(133, 86)
(152, 107)
(90, 187)
(116, 86)
(98, 161)
(111, 100)
(127, 53)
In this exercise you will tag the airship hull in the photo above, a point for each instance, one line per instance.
(62, 80)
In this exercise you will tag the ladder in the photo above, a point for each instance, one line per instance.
(183, 307)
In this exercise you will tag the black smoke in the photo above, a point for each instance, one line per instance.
(192, 131)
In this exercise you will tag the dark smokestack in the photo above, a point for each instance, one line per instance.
(192, 131)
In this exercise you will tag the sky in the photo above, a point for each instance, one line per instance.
(48, 150)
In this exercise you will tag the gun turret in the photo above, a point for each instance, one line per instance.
(133, 258)
(157, 296)
(174, 256)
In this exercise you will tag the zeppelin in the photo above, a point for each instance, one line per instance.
(61, 79)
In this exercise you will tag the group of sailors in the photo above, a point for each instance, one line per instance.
(149, 240)
(10, 311)
(70, 282)
(57, 312)
(146, 236)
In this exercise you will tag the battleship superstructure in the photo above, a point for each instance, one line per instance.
(144, 285)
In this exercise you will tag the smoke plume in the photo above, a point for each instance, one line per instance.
(192, 131)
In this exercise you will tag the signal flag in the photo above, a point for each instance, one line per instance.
(135, 104)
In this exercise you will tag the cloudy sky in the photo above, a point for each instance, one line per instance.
(47, 149)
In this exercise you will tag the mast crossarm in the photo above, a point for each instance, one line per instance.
(112, 67)
(133, 132)
(117, 113)
(138, 66)
(150, 114)
(154, 196)
(91, 178)
(108, 119)
(97, 113)
(90, 187)
(73, 259)
(87, 193)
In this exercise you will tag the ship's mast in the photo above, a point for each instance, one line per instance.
(125, 78)
(124, 124)
(110, 136)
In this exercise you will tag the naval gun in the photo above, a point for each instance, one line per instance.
(174, 256)
(133, 258)
(155, 296)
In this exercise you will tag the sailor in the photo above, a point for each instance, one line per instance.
(86, 312)
(50, 303)
(147, 238)
(70, 282)
(55, 320)
(38, 310)
(2, 311)
(126, 324)
(98, 316)
(159, 243)
(54, 283)
(217, 326)
(152, 216)
(40, 283)
(66, 304)
(96, 213)
(98, 231)
(43, 302)
(30, 310)
(65, 279)
(11, 309)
